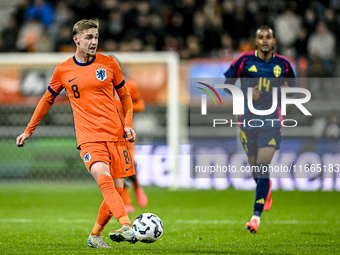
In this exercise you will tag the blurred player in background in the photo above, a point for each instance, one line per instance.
(261, 70)
(91, 80)
(138, 106)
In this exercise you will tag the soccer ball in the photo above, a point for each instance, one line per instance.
(148, 228)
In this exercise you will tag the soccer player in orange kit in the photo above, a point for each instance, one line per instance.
(138, 106)
(91, 81)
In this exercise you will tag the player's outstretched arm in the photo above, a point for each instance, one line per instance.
(40, 111)
(21, 139)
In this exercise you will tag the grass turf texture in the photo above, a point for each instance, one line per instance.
(57, 219)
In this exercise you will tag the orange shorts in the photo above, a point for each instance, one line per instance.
(114, 154)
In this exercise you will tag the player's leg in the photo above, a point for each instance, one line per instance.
(268, 141)
(262, 188)
(263, 183)
(252, 162)
(104, 215)
(141, 197)
(125, 233)
(121, 167)
(126, 192)
(111, 190)
(101, 172)
(248, 140)
(97, 159)
(265, 155)
(127, 199)
(111, 206)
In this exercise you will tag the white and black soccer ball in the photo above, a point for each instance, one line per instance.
(148, 228)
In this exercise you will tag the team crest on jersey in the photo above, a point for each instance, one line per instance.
(87, 157)
(277, 71)
(101, 74)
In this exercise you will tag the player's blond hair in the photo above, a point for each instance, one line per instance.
(84, 25)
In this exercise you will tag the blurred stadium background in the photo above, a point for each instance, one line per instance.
(203, 37)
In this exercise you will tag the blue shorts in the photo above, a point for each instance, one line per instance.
(253, 140)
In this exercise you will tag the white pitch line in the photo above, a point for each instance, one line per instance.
(192, 222)
(236, 222)
(45, 220)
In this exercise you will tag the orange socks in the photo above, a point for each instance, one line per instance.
(112, 205)
(120, 191)
(104, 216)
(126, 196)
(125, 219)
(111, 196)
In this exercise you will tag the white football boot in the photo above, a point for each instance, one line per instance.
(125, 233)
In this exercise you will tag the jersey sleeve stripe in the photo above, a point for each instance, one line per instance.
(281, 118)
(287, 69)
(240, 68)
(244, 54)
(282, 57)
(52, 91)
(120, 85)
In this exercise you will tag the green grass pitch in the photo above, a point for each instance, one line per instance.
(57, 219)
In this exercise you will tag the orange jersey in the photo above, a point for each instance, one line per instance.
(90, 88)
